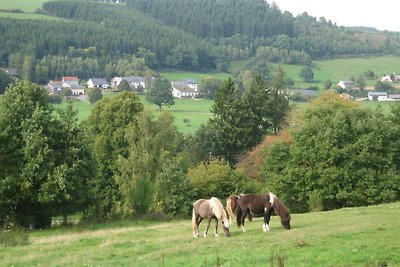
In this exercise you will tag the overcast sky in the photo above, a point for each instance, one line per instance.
(382, 14)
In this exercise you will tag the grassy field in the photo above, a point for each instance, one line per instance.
(24, 5)
(180, 75)
(28, 16)
(196, 110)
(343, 69)
(366, 236)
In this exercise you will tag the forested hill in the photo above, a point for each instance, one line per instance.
(242, 23)
(97, 39)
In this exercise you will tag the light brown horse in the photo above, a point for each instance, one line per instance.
(209, 209)
(231, 206)
(262, 205)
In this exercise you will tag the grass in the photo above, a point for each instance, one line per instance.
(196, 110)
(180, 75)
(28, 16)
(343, 69)
(366, 236)
(24, 5)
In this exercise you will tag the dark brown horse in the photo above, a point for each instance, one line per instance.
(264, 205)
(210, 209)
(231, 206)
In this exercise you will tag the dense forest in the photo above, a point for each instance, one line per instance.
(93, 38)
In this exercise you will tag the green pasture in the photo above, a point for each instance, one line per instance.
(28, 16)
(343, 69)
(24, 5)
(180, 75)
(365, 236)
(196, 111)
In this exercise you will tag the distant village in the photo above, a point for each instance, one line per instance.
(188, 88)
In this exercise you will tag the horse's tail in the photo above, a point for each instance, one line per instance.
(238, 215)
(280, 209)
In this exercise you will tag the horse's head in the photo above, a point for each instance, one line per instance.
(286, 223)
(225, 227)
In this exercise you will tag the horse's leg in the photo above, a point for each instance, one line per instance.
(208, 226)
(267, 217)
(196, 228)
(243, 218)
(216, 227)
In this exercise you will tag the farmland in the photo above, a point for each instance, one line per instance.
(365, 236)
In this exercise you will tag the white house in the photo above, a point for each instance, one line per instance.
(345, 84)
(191, 83)
(97, 83)
(133, 81)
(182, 90)
(68, 81)
(380, 96)
(386, 78)
(72, 82)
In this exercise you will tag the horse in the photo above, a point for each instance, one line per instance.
(210, 209)
(231, 206)
(262, 204)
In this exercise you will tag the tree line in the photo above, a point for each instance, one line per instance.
(124, 161)
(120, 161)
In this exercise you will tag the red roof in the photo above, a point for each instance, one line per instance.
(70, 78)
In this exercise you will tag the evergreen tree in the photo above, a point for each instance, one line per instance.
(231, 121)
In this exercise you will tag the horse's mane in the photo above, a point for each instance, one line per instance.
(218, 210)
(279, 207)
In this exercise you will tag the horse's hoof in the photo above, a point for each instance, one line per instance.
(216, 235)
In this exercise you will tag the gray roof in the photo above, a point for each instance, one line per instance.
(10, 71)
(182, 87)
(98, 81)
(190, 81)
(376, 93)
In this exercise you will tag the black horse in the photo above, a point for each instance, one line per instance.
(264, 205)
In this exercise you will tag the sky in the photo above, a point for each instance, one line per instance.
(382, 14)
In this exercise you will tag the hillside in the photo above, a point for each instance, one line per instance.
(367, 236)
(98, 38)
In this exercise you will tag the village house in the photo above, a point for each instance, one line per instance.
(134, 82)
(377, 96)
(55, 87)
(391, 78)
(72, 82)
(97, 83)
(185, 89)
(346, 84)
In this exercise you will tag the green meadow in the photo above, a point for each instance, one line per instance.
(181, 75)
(194, 111)
(343, 69)
(27, 6)
(365, 236)
(24, 5)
